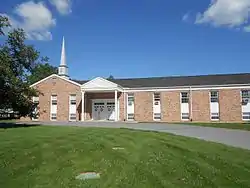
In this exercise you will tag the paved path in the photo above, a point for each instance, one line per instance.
(237, 138)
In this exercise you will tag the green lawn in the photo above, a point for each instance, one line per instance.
(242, 126)
(51, 157)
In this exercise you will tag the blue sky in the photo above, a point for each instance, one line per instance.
(138, 38)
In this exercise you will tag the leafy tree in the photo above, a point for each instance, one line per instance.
(17, 61)
(111, 77)
(41, 71)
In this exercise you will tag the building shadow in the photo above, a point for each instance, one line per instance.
(9, 125)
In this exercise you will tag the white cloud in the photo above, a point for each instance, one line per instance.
(227, 13)
(247, 28)
(35, 18)
(63, 6)
(185, 17)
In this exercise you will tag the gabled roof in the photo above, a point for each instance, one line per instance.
(100, 84)
(55, 75)
(179, 81)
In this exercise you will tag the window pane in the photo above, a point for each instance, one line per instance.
(73, 102)
(72, 116)
(214, 99)
(184, 97)
(53, 116)
(245, 93)
(130, 116)
(246, 115)
(184, 116)
(215, 116)
(157, 116)
(184, 100)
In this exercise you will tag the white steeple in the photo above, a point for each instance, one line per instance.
(63, 68)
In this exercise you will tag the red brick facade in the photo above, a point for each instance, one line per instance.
(229, 103)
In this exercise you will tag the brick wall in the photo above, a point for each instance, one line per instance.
(170, 106)
(200, 106)
(230, 105)
(62, 89)
(143, 106)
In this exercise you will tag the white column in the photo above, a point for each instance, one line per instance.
(83, 93)
(116, 109)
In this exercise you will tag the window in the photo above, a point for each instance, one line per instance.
(72, 99)
(157, 107)
(184, 97)
(131, 117)
(214, 96)
(53, 108)
(157, 116)
(214, 116)
(157, 98)
(246, 115)
(245, 95)
(53, 116)
(54, 99)
(36, 100)
(130, 99)
(185, 116)
(72, 116)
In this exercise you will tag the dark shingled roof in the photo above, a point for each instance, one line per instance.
(174, 81)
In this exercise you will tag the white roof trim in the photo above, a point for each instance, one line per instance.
(99, 87)
(55, 75)
(188, 88)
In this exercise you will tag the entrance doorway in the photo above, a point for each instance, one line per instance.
(103, 109)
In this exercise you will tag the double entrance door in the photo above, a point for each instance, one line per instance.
(103, 109)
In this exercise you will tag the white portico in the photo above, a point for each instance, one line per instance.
(104, 101)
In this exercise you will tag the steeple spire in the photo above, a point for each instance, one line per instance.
(63, 68)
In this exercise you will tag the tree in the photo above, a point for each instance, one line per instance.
(111, 77)
(41, 71)
(17, 61)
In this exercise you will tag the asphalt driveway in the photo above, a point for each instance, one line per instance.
(236, 138)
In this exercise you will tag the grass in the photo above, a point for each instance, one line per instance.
(51, 157)
(241, 126)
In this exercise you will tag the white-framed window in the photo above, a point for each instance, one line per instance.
(130, 99)
(72, 107)
(184, 97)
(157, 106)
(53, 116)
(157, 98)
(215, 116)
(130, 107)
(72, 117)
(246, 115)
(131, 116)
(157, 116)
(245, 96)
(185, 106)
(185, 116)
(54, 99)
(214, 96)
(53, 108)
(35, 112)
(72, 99)
(214, 105)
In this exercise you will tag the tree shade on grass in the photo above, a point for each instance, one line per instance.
(241, 126)
(53, 156)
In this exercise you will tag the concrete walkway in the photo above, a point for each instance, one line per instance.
(236, 138)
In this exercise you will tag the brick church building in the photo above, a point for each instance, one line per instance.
(203, 98)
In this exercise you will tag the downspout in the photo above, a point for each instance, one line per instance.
(124, 107)
(191, 104)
